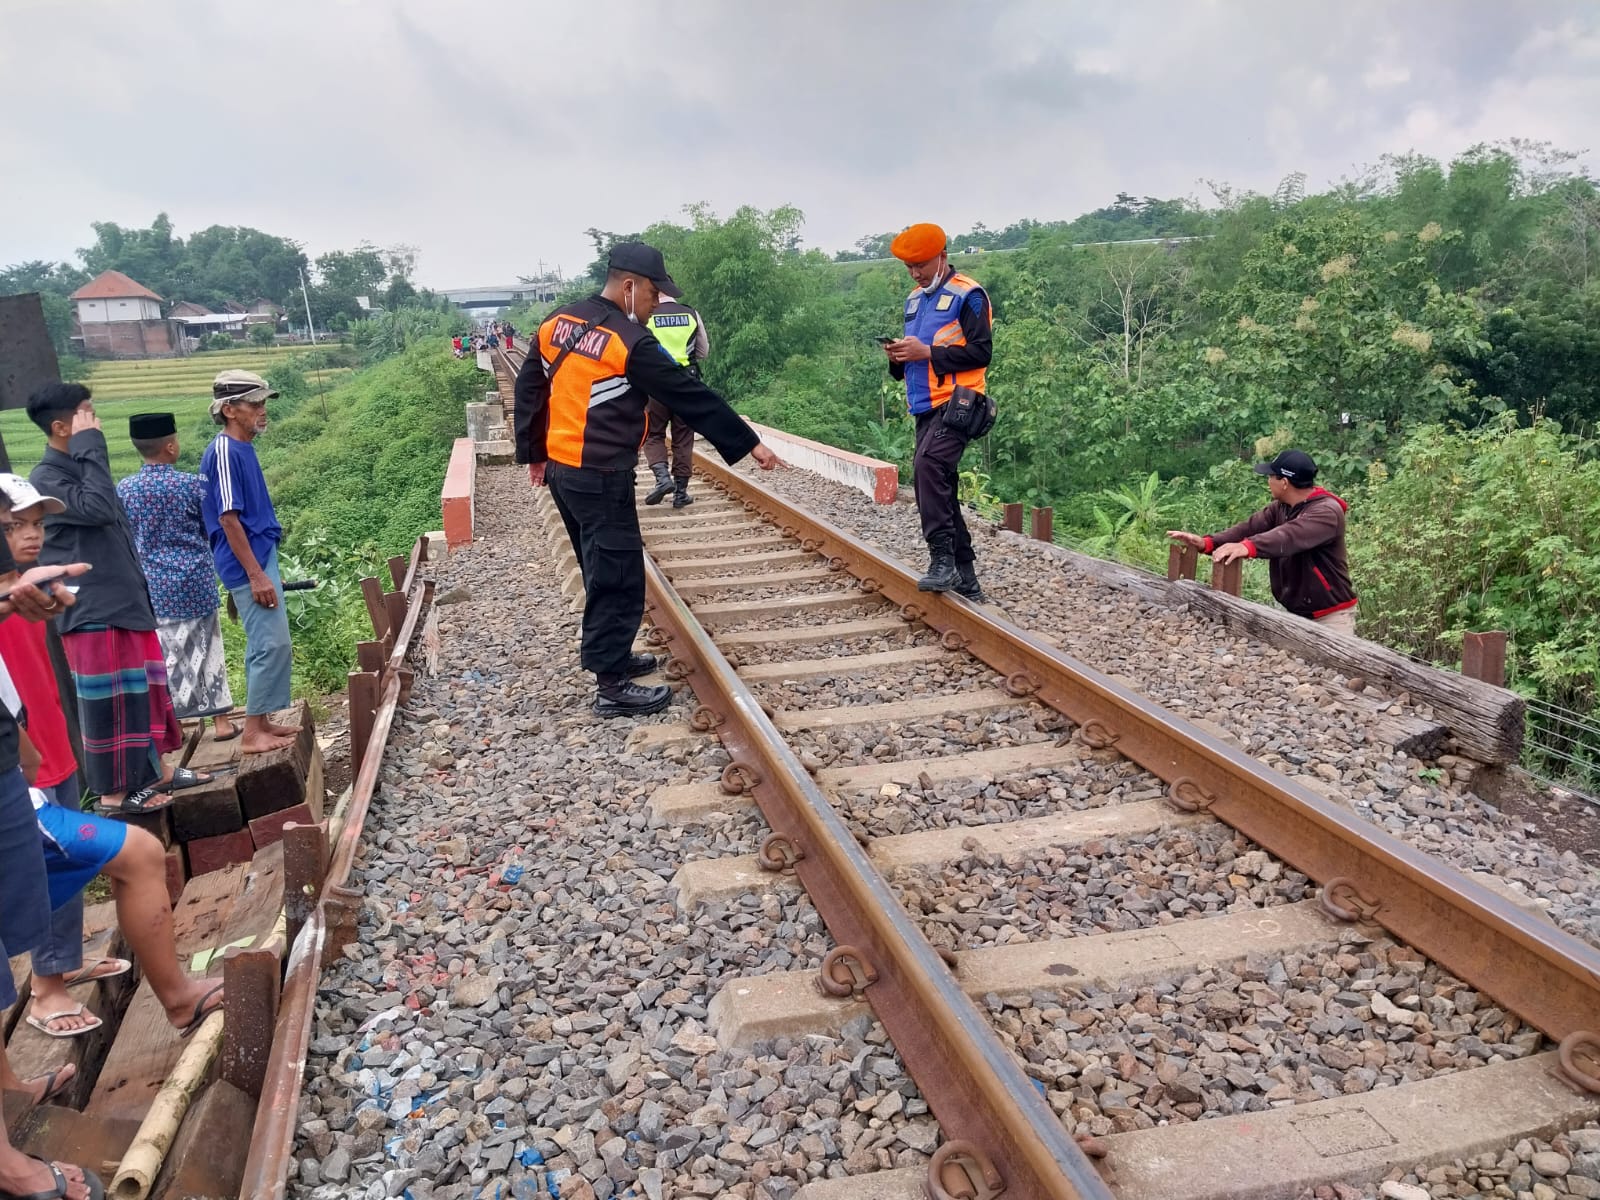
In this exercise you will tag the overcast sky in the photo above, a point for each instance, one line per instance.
(491, 135)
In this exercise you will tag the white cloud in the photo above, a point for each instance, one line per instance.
(493, 137)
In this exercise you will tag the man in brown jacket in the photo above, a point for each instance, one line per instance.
(1302, 534)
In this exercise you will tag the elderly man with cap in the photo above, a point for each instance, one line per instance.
(244, 534)
(580, 416)
(169, 530)
(109, 635)
(947, 345)
(1301, 533)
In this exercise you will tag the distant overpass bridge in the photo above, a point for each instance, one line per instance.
(474, 299)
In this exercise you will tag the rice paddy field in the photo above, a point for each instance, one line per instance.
(181, 386)
(191, 376)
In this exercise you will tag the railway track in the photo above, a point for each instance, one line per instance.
(764, 609)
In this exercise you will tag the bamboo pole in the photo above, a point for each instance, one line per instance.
(136, 1174)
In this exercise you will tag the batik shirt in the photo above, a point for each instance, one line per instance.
(163, 506)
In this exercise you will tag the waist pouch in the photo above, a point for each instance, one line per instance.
(969, 412)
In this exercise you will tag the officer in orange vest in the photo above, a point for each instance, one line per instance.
(580, 418)
(947, 344)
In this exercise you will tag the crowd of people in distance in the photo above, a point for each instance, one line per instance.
(485, 337)
(109, 635)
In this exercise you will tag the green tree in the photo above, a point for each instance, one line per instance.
(261, 334)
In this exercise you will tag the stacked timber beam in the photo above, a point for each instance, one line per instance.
(160, 1116)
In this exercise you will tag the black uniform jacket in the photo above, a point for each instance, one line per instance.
(593, 413)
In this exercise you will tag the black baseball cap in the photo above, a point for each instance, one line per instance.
(641, 259)
(1294, 465)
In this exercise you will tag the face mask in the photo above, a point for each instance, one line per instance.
(932, 287)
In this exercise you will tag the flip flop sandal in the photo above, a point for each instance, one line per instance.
(201, 1012)
(103, 968)
(237, 730)
(42, 1024)
(183, 777)
(54, 1085)
(97, 1190)
(145, 800)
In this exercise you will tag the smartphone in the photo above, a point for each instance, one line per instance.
(884, 341)
(5, 592)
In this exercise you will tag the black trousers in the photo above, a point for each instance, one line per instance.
(598, 510)
(935, 470)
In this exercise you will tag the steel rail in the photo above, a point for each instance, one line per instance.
(1546, 976)
(973, 1084)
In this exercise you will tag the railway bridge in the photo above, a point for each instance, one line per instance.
(1117, 886)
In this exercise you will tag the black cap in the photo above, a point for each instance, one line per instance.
(1294, 465)
(145, 426)
(641, 259)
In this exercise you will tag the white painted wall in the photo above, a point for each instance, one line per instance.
(138, 309)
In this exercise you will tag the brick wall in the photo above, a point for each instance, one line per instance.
(132, 339)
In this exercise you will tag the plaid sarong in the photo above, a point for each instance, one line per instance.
(123, 706)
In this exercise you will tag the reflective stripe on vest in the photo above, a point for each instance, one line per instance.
(936, 321)
(593, 373)
(674, 326)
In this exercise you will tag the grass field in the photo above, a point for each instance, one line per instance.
(25, 441)
(191, 376)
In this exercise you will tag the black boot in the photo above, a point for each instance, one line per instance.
(663, 483)
(941, 576)
(967, 583)
(619, 696)
(640, 664)
(680, 494)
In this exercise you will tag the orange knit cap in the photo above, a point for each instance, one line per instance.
(919, 244)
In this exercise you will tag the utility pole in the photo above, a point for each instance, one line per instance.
(306, 296)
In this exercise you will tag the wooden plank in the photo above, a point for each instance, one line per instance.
(211, 754)
(62, 1134)
(208, 810)
(207, 855)
(147, 1045)
(264, 831)
(207, 1157)
(33, 1053)
(277, 779)
(1486, 721)
(241, 905)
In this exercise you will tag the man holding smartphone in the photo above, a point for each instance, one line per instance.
(947, 346)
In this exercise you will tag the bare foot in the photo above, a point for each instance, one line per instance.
(222, 729)
(260, 743)
(288, 731)
(197, 1000)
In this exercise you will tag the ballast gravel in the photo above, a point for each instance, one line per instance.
(525, 1011)
(1299, 718)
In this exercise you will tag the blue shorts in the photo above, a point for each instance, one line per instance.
(77, 847)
